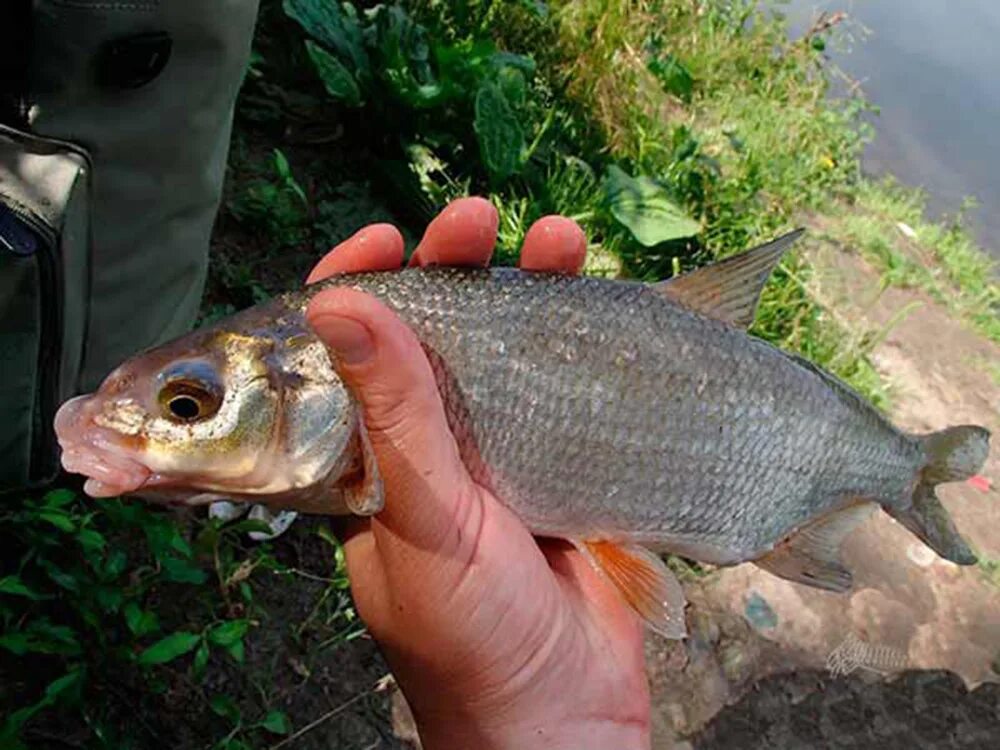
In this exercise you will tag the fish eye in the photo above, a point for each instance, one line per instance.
(183, 401)
(190, 393)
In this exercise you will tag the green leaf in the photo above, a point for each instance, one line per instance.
(109, 598)
(228, 633)
(645, 208)
(182, 571)
(226, 707)
(200, 661)
(336, 26)
(248, 525)
(68, 682)
(17, 643)
(237, 650)
(115, 564)
(501, 139)
(14, 721)
(140, 621)
(276, 722)
(90, 540)
(41, 637)
(57, 518)
(337, 79)
(58, 498)
(673, 76)
(324, 533)
(169, 648)
(15, 586)
(164, 537)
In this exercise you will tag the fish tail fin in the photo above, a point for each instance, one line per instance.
(952, 455)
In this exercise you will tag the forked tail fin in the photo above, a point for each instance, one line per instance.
(953, 454)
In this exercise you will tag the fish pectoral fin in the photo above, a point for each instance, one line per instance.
(729, 289)
(365, 497)
(812, 554)
(644, 581)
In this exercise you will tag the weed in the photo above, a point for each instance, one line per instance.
(275, 204)
(106, 606)
(888, 226)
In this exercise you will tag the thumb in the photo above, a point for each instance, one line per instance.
(428, 490)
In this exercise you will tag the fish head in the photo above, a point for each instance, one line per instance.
(237, 410)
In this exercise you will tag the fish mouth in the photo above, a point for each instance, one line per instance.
(97, 452)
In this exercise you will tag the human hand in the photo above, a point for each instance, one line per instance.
(497, 639)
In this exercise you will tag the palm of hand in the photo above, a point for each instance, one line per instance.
(497, 639)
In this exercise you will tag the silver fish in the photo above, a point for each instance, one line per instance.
(628, 418)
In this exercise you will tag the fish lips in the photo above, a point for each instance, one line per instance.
(97, 453)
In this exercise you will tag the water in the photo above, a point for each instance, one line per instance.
(933, 69)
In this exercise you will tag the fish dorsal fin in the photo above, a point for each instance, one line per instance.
(644, 581)
(812, 554)
(729, 289)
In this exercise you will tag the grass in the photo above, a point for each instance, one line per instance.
(123, 625)
(887, 224)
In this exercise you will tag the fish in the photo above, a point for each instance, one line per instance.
(632, 419)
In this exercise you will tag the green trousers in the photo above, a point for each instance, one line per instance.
(113, 149)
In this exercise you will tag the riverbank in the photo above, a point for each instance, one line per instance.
(674, 132)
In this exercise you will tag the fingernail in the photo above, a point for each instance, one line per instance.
(350, 341)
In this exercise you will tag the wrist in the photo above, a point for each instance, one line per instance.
(457, 732)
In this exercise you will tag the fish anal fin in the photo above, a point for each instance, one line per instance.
(729, 289)
(644, 581)
(811, 555)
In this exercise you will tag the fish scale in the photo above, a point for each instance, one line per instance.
(702, 436)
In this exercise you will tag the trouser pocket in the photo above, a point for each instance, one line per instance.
(44, 279)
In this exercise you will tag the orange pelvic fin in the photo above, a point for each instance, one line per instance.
(644, 581)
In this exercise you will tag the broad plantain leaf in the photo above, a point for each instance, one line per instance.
(335, 26)
(501, 138)
(644, 207)
(513, 85)
(169, 648)
(404, 57)
(337, 80)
